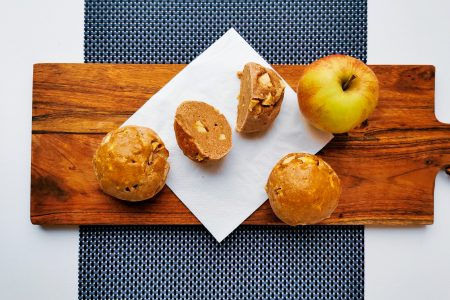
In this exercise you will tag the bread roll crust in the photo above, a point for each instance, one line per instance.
(260, 98)
(202, 132)
(131, 163)
(303, 189)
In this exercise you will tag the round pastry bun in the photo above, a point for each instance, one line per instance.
(303, 189)
(202, 132)
(131, 163)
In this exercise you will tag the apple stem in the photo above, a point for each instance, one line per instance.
(346, 84)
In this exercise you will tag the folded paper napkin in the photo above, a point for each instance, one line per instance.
(223, 194)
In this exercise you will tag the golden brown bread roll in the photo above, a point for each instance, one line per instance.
(131, 163)
(260, 98)
(303, 189)
(202, 132)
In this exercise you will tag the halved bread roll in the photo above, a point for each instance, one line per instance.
(202, 132)
(260, 98)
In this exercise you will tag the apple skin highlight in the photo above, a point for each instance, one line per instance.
(337, 93)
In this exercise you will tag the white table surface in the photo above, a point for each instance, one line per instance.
(42, 263)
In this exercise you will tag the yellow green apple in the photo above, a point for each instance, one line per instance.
(337, 93)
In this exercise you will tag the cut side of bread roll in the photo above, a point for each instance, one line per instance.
(202, 132)
(260, 98)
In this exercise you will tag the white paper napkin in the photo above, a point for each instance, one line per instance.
(223, 194)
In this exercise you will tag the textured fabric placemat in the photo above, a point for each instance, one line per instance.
(185, 262)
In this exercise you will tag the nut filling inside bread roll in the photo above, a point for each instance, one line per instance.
(260, 98)
(303, 189)
(202, 132)
(131, 163)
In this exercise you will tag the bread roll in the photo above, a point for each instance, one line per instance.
(202, 132)
(131, 163)
(260, 98)
(303, 189)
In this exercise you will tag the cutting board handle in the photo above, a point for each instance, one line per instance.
(446, 155)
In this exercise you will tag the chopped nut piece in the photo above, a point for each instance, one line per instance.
(253, 103)
(279, 191)
(270, 100)
(330, 179)
(288, 160)
(222, 137)
(200, 127)
(150, 159)
(106, 138)
(239, 74)
(199, 157)
(307, 159)
(265, 80)
(155, 145)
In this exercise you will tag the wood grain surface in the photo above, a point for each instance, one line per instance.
(387, 165)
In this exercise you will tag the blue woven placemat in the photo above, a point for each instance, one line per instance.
(183, 262)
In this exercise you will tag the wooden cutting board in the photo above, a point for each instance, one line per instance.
(387, 166)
